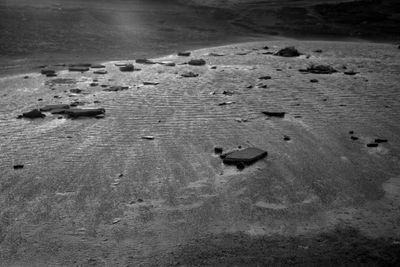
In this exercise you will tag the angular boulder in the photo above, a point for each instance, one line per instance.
(33, 114)
(246, 156)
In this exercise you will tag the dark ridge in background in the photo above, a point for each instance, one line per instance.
(60, 31)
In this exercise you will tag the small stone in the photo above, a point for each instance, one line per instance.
(93, 84)
(218, 150)
(354, 138)
(314, 80)
(265, 77)
(197, 62)
(151, 83)
(102, 72)
(116, 220)
(214, 67)
(33, 114)
(128, 67)
(26, 77)
(75, 91)
(350, 72)
(47, 71)
(372, 145)
(274, 114)
(265, 47)
(379, 140)
(318, 51)
(18, 166)
(184, 54)
(290, 51)
(49, 108)
(97, 66)
(226, 103)
(286, 138)
(148, 137)
(77, 68)
(351, 132)
(189, 74)
(139, 200)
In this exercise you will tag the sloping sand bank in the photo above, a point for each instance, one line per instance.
(94, 192)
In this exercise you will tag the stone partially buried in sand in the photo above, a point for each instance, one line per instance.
(278, 114)
(246, 156)
(126, 68)
(77, 112)
(50, 108)
(319, 69)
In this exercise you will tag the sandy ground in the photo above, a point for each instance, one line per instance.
(94, 193)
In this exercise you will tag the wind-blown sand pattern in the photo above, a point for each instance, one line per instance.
(93, 191)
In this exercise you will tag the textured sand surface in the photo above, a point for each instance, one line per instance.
(93, 192)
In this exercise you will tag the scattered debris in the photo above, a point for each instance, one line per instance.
(319, 69)
(290, 51)
(102, 72)
(116, 88)
(274, 114)
(75, 91)
(184, 54)
(148, 137)
(243, 157)
(197, 62)
(76, 112)
(189, 74)
(218, 150)
(128, 67)
(379, 140)
(33, 114)
(18, 166)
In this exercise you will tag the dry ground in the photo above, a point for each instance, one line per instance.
(93, 192)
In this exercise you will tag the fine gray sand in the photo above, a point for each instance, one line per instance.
(93, 192)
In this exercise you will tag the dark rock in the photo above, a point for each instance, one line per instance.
(78, 68)
(379, 140)
(189, 74)
(350, 72)
(150, 83)
(228, 93)
(77, 103)
(33, 114)
(18, 166)
(75, 91)
(184, 54)
(128, 67)
(290, 51)
(286, 138)
(218, 150)
(97, 66)
(140, 200)
(318, 51)
(354, 138)
(249, 86)
(274, 114)
(84, 65)
(263, 86)
(265, 78)
(214, 67)
(351, 132)
(246, 156)
(226, 103)
(57, 96)
(49, 108)
(213, 54)
(116, 88)
(372, 145)
(240, 166)
(314, 80)
(144, 61)
(51, 75)
(268, 53)
(319, 69)
(102, 72)
(58, 111)
(77, 112)
(47, 72)
(265, 47)
(26, 77)
(93, 84)
(197, 62)
(40, 99)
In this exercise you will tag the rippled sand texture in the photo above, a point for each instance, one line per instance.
(93, 191)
